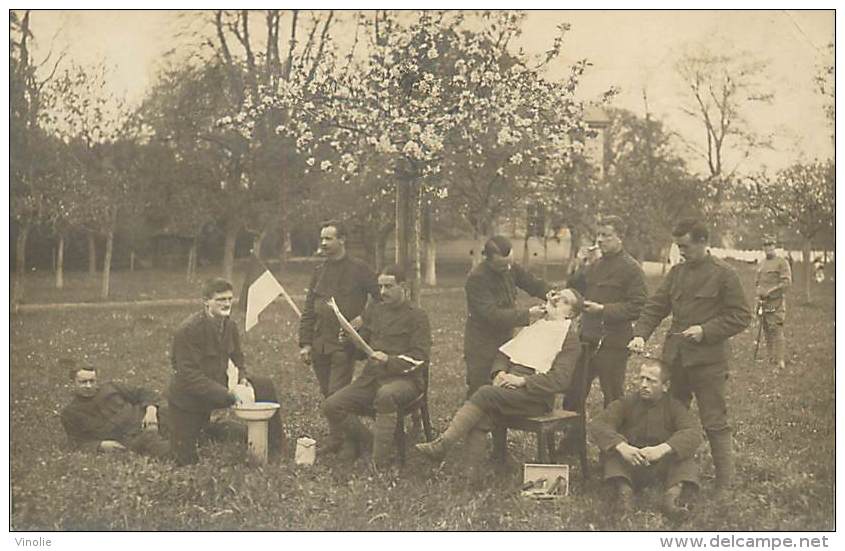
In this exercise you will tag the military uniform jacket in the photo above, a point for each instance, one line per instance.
(349, 281)
(395, 330)
(617, 281)
(202, 348)
(641, 423)
(706, 293)
(775, 275)
(492, 315)
(114, 413)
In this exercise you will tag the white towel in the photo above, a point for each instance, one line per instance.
(537, 345)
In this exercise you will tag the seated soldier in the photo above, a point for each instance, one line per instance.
(400, 336)
(112, 417)
(649, 436)
(516, 390)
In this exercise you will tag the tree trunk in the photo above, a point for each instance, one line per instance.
(284, 230)
(415, 249)
(381, 246)
(806, 253)
(407, 234)
(229, 249)
(192, 260)
(104, 292)
(427, 224)
(431, 262)
(526, 253)
(92, 254)
(60, 262)
(258, 242)
(574, 244)
(401, 233)
(477, 257)
(20, 266)
(545, 257)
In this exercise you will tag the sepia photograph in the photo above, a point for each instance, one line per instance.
(417, 270)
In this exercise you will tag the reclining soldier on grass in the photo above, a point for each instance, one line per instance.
(517, 390)
(113, 417)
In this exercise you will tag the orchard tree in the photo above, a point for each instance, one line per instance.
(423, 84)
(65, 210)
(826, 85)
(30, 178)
(721, 88)
(647, 182)
(103, 134)
(802, 198)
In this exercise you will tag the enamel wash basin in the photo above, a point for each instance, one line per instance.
(256, 415)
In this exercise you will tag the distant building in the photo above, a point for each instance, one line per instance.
(597, 119)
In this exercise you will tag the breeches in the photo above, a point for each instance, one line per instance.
(775, 340)
(500, 401)
(670, 470)
(334, 370)
(365, 393)
(707, 383)
(187, 427)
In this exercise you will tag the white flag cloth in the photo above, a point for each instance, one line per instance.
(260, 293)
(537, 345)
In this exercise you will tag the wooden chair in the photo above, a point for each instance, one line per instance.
(417, 405)
(545, 427)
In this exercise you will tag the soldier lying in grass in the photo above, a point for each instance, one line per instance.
(112, 417)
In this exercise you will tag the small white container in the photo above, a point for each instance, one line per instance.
(306, 451)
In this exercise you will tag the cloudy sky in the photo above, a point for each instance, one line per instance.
(631, 50)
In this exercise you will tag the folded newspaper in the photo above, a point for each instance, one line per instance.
(537, 345)
(349, 330)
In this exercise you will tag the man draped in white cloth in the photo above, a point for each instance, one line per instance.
(530, 369)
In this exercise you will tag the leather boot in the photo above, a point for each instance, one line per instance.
(358, 439)
(334, 442)
(466, 418)
(383, 431)
(624, 496)
(670, 503)
(721, 444)
(348, 451)
(475, 446)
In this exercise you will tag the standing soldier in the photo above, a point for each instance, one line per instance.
(773, 278)
(614, 291)
(349, 281)
(708, 306)
(492, 314)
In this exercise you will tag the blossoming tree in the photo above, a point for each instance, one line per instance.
(434, 90)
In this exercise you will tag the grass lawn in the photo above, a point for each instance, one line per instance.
(784, 430)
